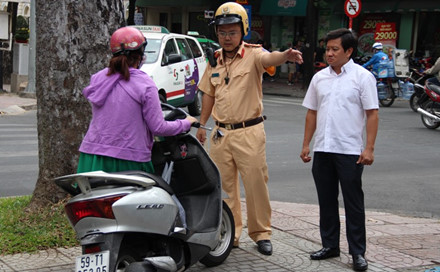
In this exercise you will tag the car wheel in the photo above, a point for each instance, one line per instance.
(195, 108)
(162, 98)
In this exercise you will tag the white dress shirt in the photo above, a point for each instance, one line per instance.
(340, 101)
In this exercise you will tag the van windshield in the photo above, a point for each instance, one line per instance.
(152, 50)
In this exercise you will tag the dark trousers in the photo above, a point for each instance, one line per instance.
(329, 170)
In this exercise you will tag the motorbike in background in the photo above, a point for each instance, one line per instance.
(392, 78)
(362, 59)
(318, 66)
(421, 64)
(419, 97)
(134, 221)
(430, 110)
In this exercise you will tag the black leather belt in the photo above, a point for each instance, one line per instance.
(244, 124)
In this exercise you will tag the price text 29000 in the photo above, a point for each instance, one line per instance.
(386, 35)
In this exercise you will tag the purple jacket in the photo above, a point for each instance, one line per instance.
(126, 117)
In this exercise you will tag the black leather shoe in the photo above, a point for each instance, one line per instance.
(265, 247)
(359, 263)
(325, 253)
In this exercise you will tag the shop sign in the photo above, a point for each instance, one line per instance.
(386, 34)
(368, 24)
(283, 7)
(257, 25)
(286, 3)
(368, 28)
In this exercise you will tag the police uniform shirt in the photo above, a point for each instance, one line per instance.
(236, 85)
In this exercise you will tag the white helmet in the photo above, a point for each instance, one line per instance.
(378, 46)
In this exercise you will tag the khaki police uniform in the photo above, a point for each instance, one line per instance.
(238, 143)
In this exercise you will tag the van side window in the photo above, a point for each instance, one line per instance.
(184, 48)
(170, 48)
(195, 48)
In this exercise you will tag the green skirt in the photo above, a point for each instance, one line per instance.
(90, 162)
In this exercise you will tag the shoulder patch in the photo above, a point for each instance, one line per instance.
(252, 45)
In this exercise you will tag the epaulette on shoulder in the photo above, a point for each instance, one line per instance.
(252, 45)
(217, 54)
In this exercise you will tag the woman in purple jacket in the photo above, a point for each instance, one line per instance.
(126, 111)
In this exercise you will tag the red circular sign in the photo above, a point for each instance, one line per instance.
(352, 8)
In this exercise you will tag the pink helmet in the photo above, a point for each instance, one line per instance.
(127, 39)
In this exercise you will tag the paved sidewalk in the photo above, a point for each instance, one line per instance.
(12, 103)
(395, 243)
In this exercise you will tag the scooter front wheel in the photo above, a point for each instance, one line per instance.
(227, 232)
(429, 122)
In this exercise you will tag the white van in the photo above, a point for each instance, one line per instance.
(176, 63)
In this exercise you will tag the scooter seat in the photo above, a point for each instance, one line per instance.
(434, 87)
(160, 182)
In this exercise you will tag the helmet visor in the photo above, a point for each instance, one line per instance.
(227, 19)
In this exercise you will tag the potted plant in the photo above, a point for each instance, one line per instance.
(22, 30)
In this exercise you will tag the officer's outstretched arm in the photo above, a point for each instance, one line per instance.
(276, 58)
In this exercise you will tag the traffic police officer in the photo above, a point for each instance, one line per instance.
(232, 88)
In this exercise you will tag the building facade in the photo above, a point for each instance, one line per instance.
(415, 25)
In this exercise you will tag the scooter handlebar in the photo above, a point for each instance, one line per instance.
(198, 125)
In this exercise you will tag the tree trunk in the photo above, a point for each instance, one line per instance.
(311, 26)
(72, 44)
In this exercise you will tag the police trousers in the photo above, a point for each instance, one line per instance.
(243, 151)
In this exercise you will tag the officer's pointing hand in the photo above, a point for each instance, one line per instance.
(294, 55)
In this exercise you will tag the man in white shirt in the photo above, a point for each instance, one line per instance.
(341, 101)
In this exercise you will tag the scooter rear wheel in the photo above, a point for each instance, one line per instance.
(389, 100)
(125, 258)
(413, 102)
(227, 232)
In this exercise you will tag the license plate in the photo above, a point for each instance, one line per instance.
(96, 262)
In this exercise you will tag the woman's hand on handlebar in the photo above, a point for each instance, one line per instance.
(191, 119)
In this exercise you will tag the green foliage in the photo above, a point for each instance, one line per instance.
(25, 231)
(22, 29)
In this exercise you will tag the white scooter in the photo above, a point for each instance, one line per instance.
(139, 222)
